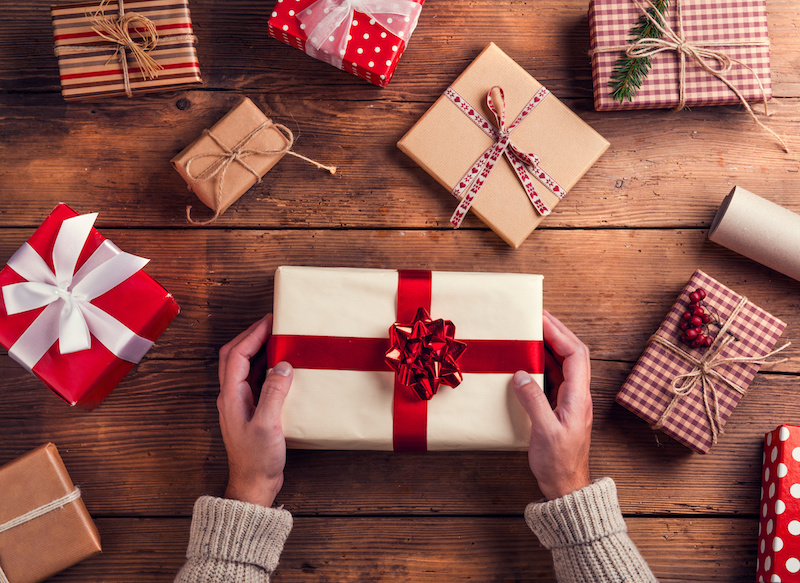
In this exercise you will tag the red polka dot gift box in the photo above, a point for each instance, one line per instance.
(363, 37)
(779, 510)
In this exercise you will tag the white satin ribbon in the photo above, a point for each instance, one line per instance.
(69, 316)
(327, 23)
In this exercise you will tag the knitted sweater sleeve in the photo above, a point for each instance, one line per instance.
(587, 535)
(234, 542)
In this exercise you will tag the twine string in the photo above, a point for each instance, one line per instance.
(701, 53)
(238, 153)
(56, 504)
(705, 372)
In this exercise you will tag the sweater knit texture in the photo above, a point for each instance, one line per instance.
(233, 541)
(587, 535)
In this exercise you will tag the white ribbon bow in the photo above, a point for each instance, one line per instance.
(70, 317)
(327, 23)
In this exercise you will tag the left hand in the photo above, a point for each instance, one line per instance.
(253, 435)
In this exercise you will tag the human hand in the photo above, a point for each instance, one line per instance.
(252, 434)
(560, 436)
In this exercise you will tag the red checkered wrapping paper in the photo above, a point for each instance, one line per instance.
(779, 509)
(372, 52)
(740, 21)
(648, 389)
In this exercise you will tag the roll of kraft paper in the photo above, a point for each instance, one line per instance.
(760, 230)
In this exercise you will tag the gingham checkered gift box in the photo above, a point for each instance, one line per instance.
(710, 382)
(707, 24)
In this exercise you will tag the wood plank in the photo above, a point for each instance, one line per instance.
(223, 279)
(158, 433)
(551, 41)
(425, 550)
(637, 183)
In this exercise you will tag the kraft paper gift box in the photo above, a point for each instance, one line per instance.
(779, 508)
(57, 533)
(367, 44)
(737, 29)
(689, 393)
(93, 64)
(78, 312)
(455, 138)
(332, 325)
(206, 168)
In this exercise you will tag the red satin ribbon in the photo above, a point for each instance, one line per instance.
(410, 418)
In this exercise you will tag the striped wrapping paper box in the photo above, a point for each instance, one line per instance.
(648, 391)
(98, 73)
(705, 23)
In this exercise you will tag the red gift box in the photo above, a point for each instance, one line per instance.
(367, 44)
(779, 510)
(78, 312)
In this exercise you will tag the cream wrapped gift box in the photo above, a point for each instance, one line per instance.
(333, 325)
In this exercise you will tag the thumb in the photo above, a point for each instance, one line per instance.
(533, 399)
(274, 390)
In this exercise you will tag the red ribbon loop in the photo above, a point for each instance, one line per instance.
(425, 354)
(525, 165)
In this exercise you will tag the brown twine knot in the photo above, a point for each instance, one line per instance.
(705, 372)
(700, 53)
(237, 154)
(116, 30)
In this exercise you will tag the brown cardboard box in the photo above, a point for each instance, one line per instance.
(446, 143)
(43, 546)
(232, 182)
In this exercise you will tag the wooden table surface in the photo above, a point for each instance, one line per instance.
(615, 254)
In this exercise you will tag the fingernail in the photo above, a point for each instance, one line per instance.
(283, 368)
(521, 378)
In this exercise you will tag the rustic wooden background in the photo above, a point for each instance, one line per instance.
(614, 254)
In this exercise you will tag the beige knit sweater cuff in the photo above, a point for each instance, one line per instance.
(588, 537)
(234, 541)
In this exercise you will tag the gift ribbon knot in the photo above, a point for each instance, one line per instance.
(701, 53)
(56, 504)
(238, 153)
(327, 23)
(66, 294)
(526, 166)
(704, 373)
(425, 354)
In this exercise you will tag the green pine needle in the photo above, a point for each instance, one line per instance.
(629, 73)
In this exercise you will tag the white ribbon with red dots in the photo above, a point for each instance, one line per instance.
(525, 165)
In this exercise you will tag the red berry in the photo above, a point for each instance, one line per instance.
(697, 344)
(687, 315)
(701, 339)
(709, 340)
(685, 324)
(684, 339)
(706, 318)
(696, 321)
(700, 292)
(698, 311)
(691, 333)
(695, 297)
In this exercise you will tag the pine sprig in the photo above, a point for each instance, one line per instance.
(629, 72)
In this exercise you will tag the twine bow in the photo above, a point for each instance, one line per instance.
(238, 154)
(700, 52)
(56, 504)
(524, 164)
(117, 30)
(705, 373)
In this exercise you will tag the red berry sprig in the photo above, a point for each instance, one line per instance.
(695, 322)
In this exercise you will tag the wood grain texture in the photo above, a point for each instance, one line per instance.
(615, 253)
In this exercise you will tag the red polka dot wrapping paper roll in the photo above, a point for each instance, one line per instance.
(707, 23)
(648, 391)
(372, 50)
(779, 508)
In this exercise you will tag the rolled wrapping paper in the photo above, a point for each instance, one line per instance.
(760, 230)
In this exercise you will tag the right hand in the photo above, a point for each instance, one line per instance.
(559, 449)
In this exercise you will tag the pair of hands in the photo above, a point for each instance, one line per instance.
(253, 436)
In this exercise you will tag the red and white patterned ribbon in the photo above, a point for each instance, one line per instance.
(525, 165)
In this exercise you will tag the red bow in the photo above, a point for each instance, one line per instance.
(424, 354)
